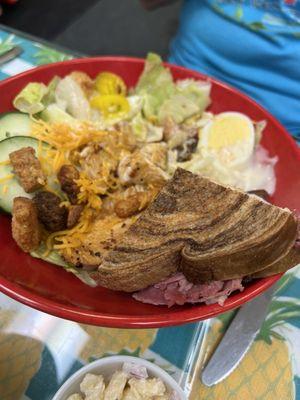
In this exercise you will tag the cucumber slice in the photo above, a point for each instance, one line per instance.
(9, 189)
(14, 124)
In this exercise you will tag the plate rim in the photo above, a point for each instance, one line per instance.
(185, 314)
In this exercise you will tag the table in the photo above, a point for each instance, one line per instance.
(38, 352)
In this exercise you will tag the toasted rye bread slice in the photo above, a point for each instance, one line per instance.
(289, 261)
(206, 230)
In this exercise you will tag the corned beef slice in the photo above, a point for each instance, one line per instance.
(177, 290)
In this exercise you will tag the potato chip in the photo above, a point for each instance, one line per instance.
(131, 394)
(115, 388)
(93, 387)
(135, 370)
(148, 387)
(75, 396)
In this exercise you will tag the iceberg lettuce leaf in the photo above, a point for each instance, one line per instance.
(54, 114)
(54, 258)
(191, 98)
(30, 99)
(178, 108)
(144, 131)
(163, 98)
(155, 84)
(70, 97)
(49, 97)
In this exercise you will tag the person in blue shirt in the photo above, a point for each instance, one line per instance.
(253, 45)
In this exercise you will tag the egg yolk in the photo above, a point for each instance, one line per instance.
(227, 131)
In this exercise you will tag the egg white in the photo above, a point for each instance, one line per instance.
(235, 154)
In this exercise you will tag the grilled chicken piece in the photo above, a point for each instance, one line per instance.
(131, 201)
(182, 138)
(67, 176)
(50, 213)
(127, 207)
(25, 225)
(173, 135)
(156, 153)
(28, 169)
(96, 161)
(141, 167)
(134, 203)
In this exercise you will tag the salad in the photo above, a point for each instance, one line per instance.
(82, 157)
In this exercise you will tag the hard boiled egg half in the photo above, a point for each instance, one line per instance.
(229, 137)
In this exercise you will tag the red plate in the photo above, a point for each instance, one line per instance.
(49, 288)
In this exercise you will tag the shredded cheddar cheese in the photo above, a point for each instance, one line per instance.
(96, 155)
(64, 147)
(71, 238)
(64, 137)
(89, 192)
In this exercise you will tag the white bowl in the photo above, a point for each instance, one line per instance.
(107, 366)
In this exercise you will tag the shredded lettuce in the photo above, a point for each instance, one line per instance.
(53, 113)
(54, 258)
(70, 97)
(165, 99)
(194, 89)
(139, 129)
(49, 98)
(155, 85)
(259, 128)
(178, 107)
(257, 174)
(144, 131)
(36, 96)
(191, 98)
(197, 92)
(136, 105)
(199, 121)
(154, 133)
(30, 99)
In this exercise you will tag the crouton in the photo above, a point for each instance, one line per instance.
(27, 169)
(25, 225)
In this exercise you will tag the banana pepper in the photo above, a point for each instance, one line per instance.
(107, 83)
(111, 106)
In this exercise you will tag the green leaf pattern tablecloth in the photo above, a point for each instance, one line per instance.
(38, 351)
(34, 54)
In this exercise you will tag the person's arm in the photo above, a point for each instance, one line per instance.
(153, 4)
